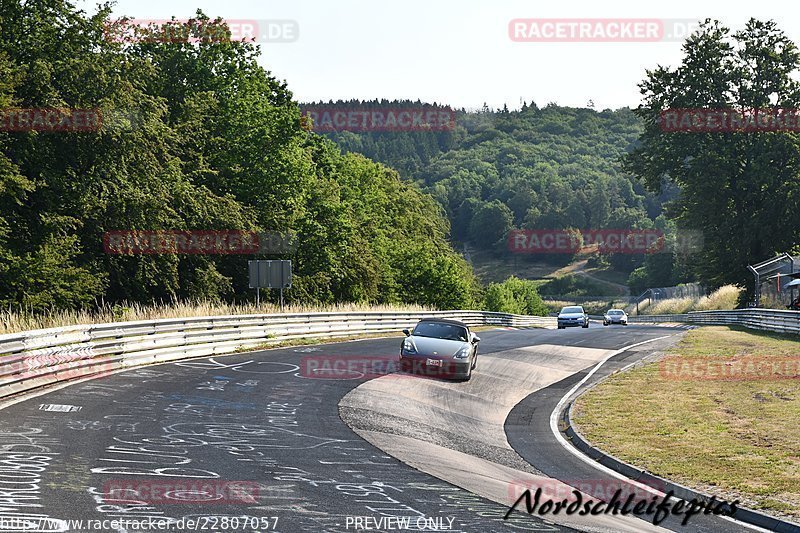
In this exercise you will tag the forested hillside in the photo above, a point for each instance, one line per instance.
(535, 168)
(552, 167)
(195, 136)
(731, 194)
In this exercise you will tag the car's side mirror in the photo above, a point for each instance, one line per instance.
(475, 339)
(408, 333)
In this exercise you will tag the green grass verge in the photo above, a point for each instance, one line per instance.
(737, 439)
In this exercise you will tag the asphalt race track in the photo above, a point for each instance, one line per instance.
(257, 442)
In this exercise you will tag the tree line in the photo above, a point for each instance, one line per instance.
(550, 167)
(723, 199)
(195, 136)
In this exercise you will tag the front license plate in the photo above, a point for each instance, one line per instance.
(434, 362)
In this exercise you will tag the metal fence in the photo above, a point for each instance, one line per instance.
(761, 319)
(771, 277)
(34, 359)
(773, 292)
(657, 294)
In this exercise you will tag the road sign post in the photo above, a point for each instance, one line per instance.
(270, 274)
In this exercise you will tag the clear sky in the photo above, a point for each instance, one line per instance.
(459, 52)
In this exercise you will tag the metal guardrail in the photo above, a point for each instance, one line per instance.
(653, 319)
(762, 319)
(33, 359)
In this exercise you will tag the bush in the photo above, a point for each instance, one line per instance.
(514, 295)
(638, 280)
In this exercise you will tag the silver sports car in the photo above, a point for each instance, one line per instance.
(440, 347)
(615, 316)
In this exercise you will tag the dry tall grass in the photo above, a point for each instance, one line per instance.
(671, 306)
(12, 321)
(724, 298)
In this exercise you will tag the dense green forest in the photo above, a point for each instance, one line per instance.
(722, 199)
(196, 136)
(552, 167)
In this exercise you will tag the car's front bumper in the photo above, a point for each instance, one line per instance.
(448, 367)
(571, 323)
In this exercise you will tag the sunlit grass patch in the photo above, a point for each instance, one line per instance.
(737, 439)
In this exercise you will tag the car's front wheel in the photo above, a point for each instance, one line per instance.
(469, 373)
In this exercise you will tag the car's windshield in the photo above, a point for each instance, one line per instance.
(440, 330)
(615, 312)
(572, 310)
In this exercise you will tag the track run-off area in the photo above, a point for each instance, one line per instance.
(256, 442)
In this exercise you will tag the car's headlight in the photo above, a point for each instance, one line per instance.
(408, 346)
(463, 353)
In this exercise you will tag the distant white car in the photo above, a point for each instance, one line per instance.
(615, 316)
